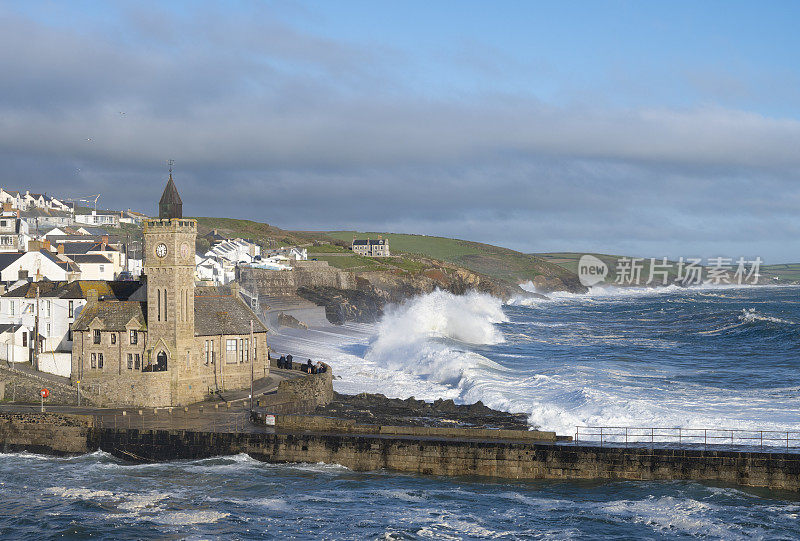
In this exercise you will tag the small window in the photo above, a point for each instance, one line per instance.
(71, 309)
(94, 360)
(241, 350)
(137, 363)
(97, 336)
(69, 335)
(102, 268)
(100, 361)
(113, 338)
(134, 336)
(48, 330)
(24, 339)
(130, 361)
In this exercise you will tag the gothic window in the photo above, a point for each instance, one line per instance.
(100, 361)
(97, 336)
(94, 360)
(137, 363)
(130, 361)
(161, 362)
(159, 304)
(134, 336)
(165, 305)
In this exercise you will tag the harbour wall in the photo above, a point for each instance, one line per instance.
(429, 455)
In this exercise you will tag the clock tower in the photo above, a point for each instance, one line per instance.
(169, 267)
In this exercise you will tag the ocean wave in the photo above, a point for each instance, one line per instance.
(613, 292)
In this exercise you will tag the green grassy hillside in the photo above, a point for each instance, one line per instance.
(501, 263)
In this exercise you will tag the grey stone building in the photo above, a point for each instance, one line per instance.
(179, 345)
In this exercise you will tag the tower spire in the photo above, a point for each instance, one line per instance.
(170, 206)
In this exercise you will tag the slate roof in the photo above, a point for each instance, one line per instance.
(89, 258)
(223, 314)
(368, 242)
(72, 248)
(114, 315)
(118, 290)
(37, 212)
(216, 311)
(8, 258)
(9, 327)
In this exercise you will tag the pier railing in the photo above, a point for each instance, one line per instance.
(627, 435)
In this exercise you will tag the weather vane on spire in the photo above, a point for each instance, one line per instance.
(170, 163)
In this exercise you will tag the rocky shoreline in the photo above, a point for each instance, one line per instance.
(377, 409)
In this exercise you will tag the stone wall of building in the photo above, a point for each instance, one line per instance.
(183, 383)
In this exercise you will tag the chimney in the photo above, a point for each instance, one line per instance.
(23, 274)
(91, 296)
(234, 289)
(60, 249)
(105, 240)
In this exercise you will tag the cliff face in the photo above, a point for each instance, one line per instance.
(374, 290)
(361, 297)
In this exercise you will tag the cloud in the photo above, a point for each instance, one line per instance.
(270, 122)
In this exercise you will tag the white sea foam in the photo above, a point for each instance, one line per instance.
(749, 315)
(187, 518)
(431, 347)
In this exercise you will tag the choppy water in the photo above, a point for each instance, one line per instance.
(714, 357)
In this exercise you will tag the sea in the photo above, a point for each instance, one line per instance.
(698, 358)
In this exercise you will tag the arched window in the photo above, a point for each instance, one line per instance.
(161, 362)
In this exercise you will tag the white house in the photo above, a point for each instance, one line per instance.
(235, 251)
(216, 270)
(12, 197)
(293, 252)
(36, 266)
(99, 218)
(114, 257)
(13, 342)
(42, 218)
(94, 266)
(14, 235)
(132, 217)
(371, 247)
(58, 304)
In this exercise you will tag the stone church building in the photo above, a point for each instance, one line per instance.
(170, 343)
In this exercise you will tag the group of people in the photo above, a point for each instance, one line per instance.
(285, 362)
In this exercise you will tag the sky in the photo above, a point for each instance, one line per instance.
(657, 129)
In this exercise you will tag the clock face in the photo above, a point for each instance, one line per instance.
(184, 250)
(161, 250)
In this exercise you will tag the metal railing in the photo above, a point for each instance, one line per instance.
(627, 435)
